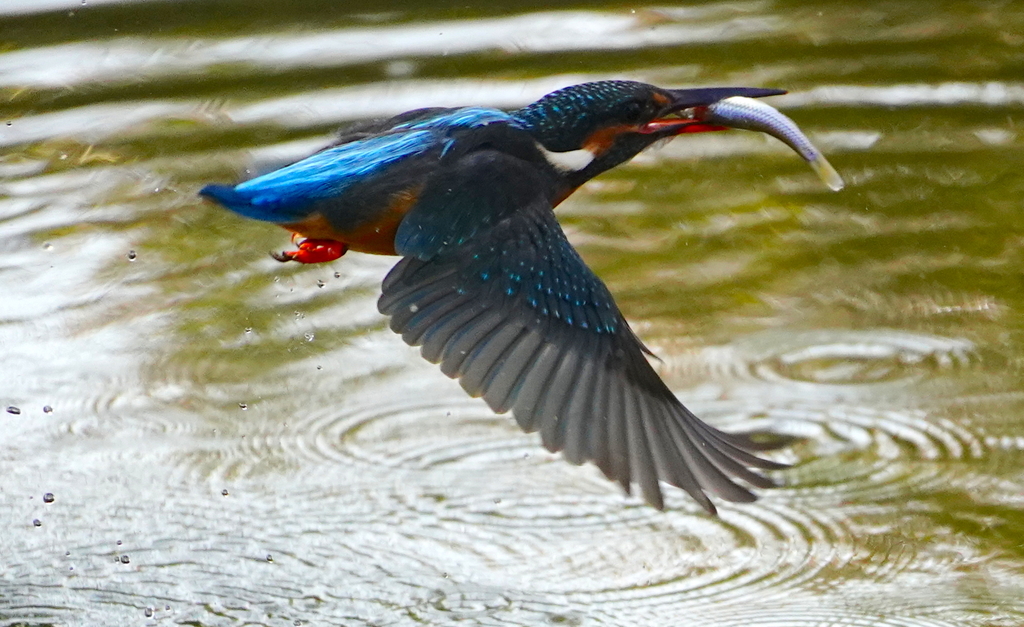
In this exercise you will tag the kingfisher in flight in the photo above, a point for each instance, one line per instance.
(490, 288)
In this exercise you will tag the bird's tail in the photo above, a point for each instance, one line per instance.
(243, 204)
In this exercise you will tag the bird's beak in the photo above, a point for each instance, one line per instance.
(684, 110)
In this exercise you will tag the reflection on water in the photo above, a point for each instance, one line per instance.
(230, 440)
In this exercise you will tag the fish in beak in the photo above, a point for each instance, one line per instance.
(722, 108)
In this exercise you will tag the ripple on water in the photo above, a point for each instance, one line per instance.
(431, 479)
(406, 487)
(844, 393)
(849, 357)
(815, 613)
(458, 477)
(857, 453)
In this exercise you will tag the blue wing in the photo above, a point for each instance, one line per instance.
(493, 291)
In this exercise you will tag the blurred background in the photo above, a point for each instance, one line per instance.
(196, 434)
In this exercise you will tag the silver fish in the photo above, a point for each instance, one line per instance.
(754, 115)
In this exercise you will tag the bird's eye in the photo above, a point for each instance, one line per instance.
(632, 111)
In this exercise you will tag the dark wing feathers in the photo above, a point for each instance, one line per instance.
(492, 290)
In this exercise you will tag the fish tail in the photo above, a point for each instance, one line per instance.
(826, 172)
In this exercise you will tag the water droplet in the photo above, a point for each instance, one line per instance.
(319, 367)
(118, 543)
(48, 497)
(37, 522)
(47, 409)
(149, 610)
(11, 409)
(47, 246)
(224, 492)
(270, 558)
(243, 406)
(124, 559)
(299, 315)
(132, 255)
(67, 553)
(309, 337)
(9, 123)
(320, 283)
(248, 329)
(337, 275)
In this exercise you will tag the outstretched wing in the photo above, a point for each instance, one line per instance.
(492, 290)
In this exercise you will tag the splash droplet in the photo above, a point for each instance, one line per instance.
(337, 275)
(320, 283)
(11, 409)
(309, 337)
(224, 492)
(149, 611)
(38, 523)
(132, 256)
(48, 497)
(243, 406)
(248, 329)
(47, 409)
(270, 558)
(124, 559)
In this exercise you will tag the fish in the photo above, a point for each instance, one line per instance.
(754, 115)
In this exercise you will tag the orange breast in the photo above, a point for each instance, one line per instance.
(376, 237)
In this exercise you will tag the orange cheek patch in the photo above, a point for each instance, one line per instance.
(601, 140)
(661, 100)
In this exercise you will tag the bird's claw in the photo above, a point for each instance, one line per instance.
(313, 251)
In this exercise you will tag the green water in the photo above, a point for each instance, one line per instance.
(232, 441)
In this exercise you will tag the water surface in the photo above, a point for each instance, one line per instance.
(228, 440)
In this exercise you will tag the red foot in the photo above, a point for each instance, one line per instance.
(313, 251)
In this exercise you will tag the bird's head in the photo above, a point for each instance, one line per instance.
(593, 127)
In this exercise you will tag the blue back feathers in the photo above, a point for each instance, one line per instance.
(286, 195)
(289, 194)
(467, 117)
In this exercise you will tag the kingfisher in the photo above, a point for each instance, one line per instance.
(489, 286)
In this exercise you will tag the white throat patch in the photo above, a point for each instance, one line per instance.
(571, 161)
